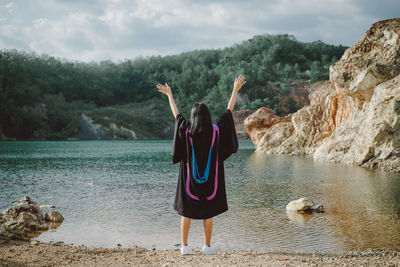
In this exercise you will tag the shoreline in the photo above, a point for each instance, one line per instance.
(35, 253)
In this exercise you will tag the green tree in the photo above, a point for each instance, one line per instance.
(315, 73)
(200, 75)
(293, 105)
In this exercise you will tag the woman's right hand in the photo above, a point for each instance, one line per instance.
(239, 82)
(165, 89)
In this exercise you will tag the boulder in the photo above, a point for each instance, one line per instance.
(31, 221)
(258, 122)
(353, 118)
(302, 204)
(6, 232)
(6, 215)
(54, 216)
(27, 219)
(23, 220)
(24, 206)
(27, 200)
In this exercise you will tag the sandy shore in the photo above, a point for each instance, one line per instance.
(34, 253)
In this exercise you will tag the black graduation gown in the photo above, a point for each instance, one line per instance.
(208, 199)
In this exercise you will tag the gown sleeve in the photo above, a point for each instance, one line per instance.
(228, 142)
(179, 142)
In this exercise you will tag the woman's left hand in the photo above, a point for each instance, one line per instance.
(165, 89)
(239, 82)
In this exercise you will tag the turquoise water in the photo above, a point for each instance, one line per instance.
(131, 200)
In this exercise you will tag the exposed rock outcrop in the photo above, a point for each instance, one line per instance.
(259, 122)
(121, 132)
(23, 219)
(89, 130)
(354, 117)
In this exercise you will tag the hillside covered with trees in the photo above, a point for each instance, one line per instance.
(42, 97)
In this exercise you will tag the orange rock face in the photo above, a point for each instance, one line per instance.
(352, 118)
(259, 121)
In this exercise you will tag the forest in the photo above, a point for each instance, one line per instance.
(42, 96)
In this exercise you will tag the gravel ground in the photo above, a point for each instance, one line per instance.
(34, 253)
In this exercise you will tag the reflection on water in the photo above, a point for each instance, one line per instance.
(297, 217)
(53, 225)
(113, 192)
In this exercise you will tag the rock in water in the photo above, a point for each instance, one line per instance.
(354, 117)
(21, 221)
(28, 219)
(54, 216)
(319, 208)
(302, 204)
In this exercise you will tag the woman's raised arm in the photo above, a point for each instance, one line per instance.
(166, 90)
(239, 82)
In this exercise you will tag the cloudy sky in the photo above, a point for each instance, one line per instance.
(89, 30)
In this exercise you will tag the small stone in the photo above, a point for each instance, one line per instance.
(34, 242)
(26, 199)
(54, 216)
(302, 204)
(319, 208)
(21, 206)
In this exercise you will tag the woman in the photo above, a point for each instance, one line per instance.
(201, 149)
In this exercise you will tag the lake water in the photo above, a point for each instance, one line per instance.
(131, 200)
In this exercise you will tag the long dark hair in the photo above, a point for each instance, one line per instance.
(200, 118)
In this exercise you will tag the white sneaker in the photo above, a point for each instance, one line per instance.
(185, 250)
(208, 250)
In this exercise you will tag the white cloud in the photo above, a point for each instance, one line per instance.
(119, 29)
(9, 5)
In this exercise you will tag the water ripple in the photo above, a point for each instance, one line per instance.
(122, 192)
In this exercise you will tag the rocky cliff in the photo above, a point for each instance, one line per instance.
(352, 118)
(89, 130)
